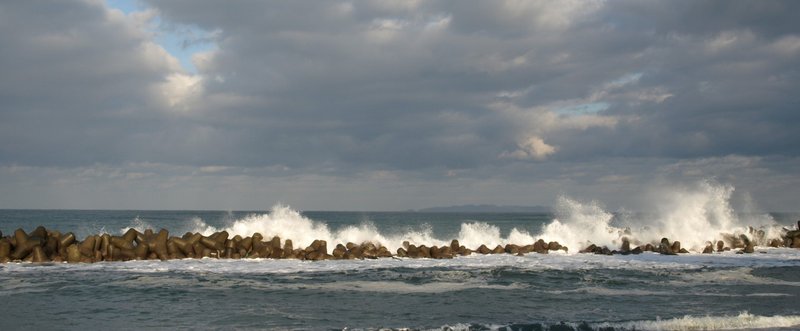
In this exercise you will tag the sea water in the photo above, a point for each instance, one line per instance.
(560, 290)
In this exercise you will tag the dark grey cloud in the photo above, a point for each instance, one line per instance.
(76, 83)
(714, 77)
(572, 96)
(768, 18)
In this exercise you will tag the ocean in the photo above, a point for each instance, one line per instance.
(555, 291)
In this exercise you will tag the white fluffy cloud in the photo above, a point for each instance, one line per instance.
(531, 147)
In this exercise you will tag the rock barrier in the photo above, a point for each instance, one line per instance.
(42, 245)
(742, 243)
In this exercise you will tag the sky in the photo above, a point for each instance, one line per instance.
(395, 105)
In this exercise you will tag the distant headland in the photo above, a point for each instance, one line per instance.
(485, 208)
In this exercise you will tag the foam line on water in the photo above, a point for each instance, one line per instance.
(743, 321)
(742, 275)
(398, 286)
(731, 265)
(605, 291)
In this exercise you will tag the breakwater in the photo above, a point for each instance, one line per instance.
(43, 245)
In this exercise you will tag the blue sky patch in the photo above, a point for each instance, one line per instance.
(180, 40)
(584, 108)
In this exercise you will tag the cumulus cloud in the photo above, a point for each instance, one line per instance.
(531, 147)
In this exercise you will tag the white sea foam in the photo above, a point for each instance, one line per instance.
(399, 287)
(605, 291)
(692, 214)
(477, 233)
(736, 272)
(287, 223)
(742, 275)
(743, 321)
(137, 224)
(577, 225)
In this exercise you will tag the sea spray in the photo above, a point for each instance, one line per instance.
(703, 212)
(475, 234)
(577, 225)
(691, 214)
(519, 236)
(696, 214)
(365, 232)
(137, 224)
(287, 223)
(284, 222)
(421, 236)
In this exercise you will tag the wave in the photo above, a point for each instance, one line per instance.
(743, 321)
(693, 215)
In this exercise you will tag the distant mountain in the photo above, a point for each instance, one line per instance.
(486, 209)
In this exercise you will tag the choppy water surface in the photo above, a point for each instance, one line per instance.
(636, 292)
(724, 291)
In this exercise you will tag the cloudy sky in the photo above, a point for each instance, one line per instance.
(391, 105)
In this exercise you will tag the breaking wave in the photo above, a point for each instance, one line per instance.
(693, 215)
(287, 223)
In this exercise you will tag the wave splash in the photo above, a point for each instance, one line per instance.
(693, 215)
(287, 223)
